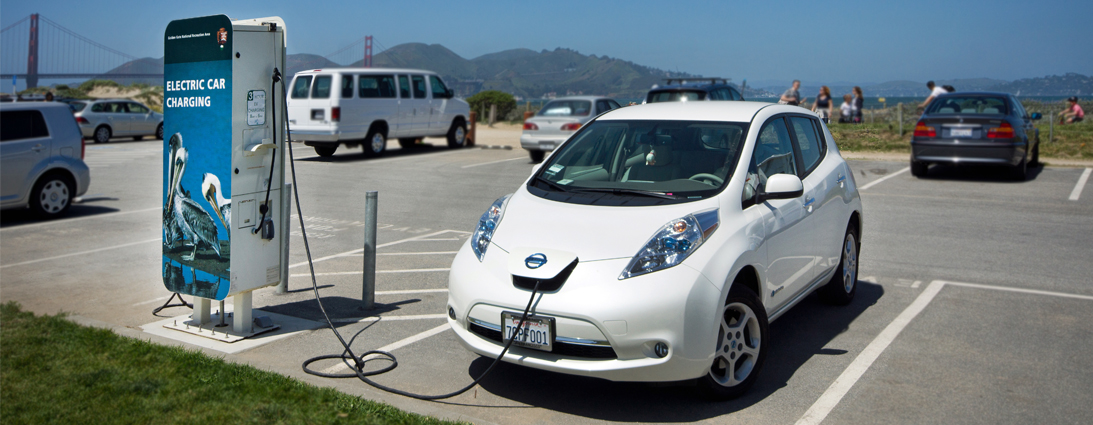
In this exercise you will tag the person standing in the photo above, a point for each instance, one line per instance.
(822, 105)
(846, 110)
(859, 103)
(792, 96)
(935, 90)
(1073, 113)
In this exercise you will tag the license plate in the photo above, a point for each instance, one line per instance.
(960, 132)
(546, 146)
(537, 331)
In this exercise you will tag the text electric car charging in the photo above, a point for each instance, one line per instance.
(358, 360)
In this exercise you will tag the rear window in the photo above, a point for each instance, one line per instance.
(566, 108)
(300, 87)
(968, 105)
(377, 86)
(675, 96)
(18, 125)
(77, 106)
(321, 89)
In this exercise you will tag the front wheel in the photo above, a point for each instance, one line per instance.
(52, 195)
(159, 131)
(457, 135)
(844, 284)
(741, 346)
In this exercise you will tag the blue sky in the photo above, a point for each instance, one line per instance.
(821, 42)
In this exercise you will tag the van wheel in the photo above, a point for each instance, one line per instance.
(457, 135)
(536, 156)
(375, 143)
(325, 151)
(407, 143)
(102, 134)
(52, 195)
(741, 346)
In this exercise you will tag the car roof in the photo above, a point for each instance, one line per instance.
(365, 70)
(589, 97)
(742, 111)
(23, 106)
(975, 93)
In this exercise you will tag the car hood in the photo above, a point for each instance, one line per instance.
(590, 232)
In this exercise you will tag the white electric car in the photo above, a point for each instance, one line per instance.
(662, 239)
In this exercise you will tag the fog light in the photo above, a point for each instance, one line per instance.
(451, 313)
(661, 349)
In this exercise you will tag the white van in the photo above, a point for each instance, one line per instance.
(366, 106)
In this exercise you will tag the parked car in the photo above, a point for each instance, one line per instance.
(676, 232)
(366, 106)
(558, 120)
(102, 119)
(977, 128)
(41, 158)
(689, 89)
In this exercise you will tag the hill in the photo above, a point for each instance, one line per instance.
(139, 66)
(1071, 84)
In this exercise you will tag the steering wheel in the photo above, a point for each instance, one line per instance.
(708, 178)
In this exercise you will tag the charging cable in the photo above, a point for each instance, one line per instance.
(264, 208)
(358, 361)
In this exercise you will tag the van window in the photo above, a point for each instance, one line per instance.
(299, 88)
(321, 89)
(419, 86)
(347, 86)
(439, 90)
(403, 87)
(377, 86)
(18, 125)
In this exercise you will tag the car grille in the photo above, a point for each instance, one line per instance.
(560, 348)
(545, 285)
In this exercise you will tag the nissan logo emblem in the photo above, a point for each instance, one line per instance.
(535, 261)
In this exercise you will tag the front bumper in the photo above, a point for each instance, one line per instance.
(593, 309)
(965, 151)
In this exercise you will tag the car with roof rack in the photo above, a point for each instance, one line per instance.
(691, 89)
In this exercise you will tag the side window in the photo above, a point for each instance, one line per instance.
(301, 86)
(773, 155)
(98, 107)
(403, 87)
(419, 86)
(120, 107)
(808, 143)
(347, 86)
(715, 94)
(136, 108)
(601, 107)
(376, 86)
(613, 104)
(321, 89)
(18, 125)
(439, 90)
(735, 94)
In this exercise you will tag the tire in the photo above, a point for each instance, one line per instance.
(159, 131)
(103, 134)
(1035, 155)
(457, 135)
(919, 168)
(843, 285)
(741, 346)
(138, 138)
(536, 156)
(326, 151)
(407, 143)
(1020, 172)
(52, 195)
(375, 144)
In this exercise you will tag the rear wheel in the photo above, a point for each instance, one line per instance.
(457, 135)
(325, 151)
(407, 143)
(1020, 172)
(52, 195)
(102, 134)
(376, 142)
(844, 284)
(1035, 155)
(919, 168)
(741, 346)
(536, 156)
(159, 131)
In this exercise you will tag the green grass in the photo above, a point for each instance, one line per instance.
(55, 371)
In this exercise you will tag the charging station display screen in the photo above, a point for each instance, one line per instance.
(197, 163)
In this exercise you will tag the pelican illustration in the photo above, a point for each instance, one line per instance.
(172, 232)
(210, 187)
(185, 217)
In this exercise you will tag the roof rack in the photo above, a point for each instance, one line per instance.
(712, 80)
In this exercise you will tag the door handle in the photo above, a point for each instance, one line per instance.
(841, 179)
(809, 201)
(37, 148)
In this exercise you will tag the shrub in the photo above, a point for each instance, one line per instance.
(481, 103)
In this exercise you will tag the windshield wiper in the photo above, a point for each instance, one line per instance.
(556, 186)
(620, 191)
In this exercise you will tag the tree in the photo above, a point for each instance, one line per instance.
(481, 102)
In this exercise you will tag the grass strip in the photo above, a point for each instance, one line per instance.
(55, 371)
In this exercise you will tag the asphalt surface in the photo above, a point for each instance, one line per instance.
(975, 301)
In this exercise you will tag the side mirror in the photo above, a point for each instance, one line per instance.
(1036, 116)
(781, 186)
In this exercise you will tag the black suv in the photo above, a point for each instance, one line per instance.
(678, 89)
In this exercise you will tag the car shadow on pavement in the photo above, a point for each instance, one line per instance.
(17, 217)
(979, 173)
(357, 154)
(799, 335)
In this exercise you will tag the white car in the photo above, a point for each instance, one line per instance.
(558, 120)
(41, 158)
(662, 238)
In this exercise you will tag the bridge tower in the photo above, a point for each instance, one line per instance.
(368, 52)
(32, 53)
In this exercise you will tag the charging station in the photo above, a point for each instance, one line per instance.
(225, 206)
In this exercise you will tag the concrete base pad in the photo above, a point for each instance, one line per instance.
(182, 329)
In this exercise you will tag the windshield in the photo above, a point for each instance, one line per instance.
(566, 108)
(675, 96)
(616, 162)
(967, 105)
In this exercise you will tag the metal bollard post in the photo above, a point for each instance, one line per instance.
(368, 296)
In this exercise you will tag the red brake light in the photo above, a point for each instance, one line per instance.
(336, 113)
(923, 130)
(82, 120)
(572, 126)
(1004, 131)
(530, 126)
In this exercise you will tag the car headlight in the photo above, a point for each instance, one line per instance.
(480, 240)
(673, 243)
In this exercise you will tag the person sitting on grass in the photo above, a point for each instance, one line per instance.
(1073, 113)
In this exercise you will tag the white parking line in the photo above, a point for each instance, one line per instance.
(493, 162)
(420, 253)
(377, 272)
(877, 181)
(358, 251)
(60, 222)
(1020, 290)
(151, 301)
(341, 367)
(1081, 184)
(81, 253)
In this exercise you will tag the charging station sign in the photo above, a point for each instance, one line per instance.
(197, 163)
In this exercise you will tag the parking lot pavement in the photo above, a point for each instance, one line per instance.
(1013, 344)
